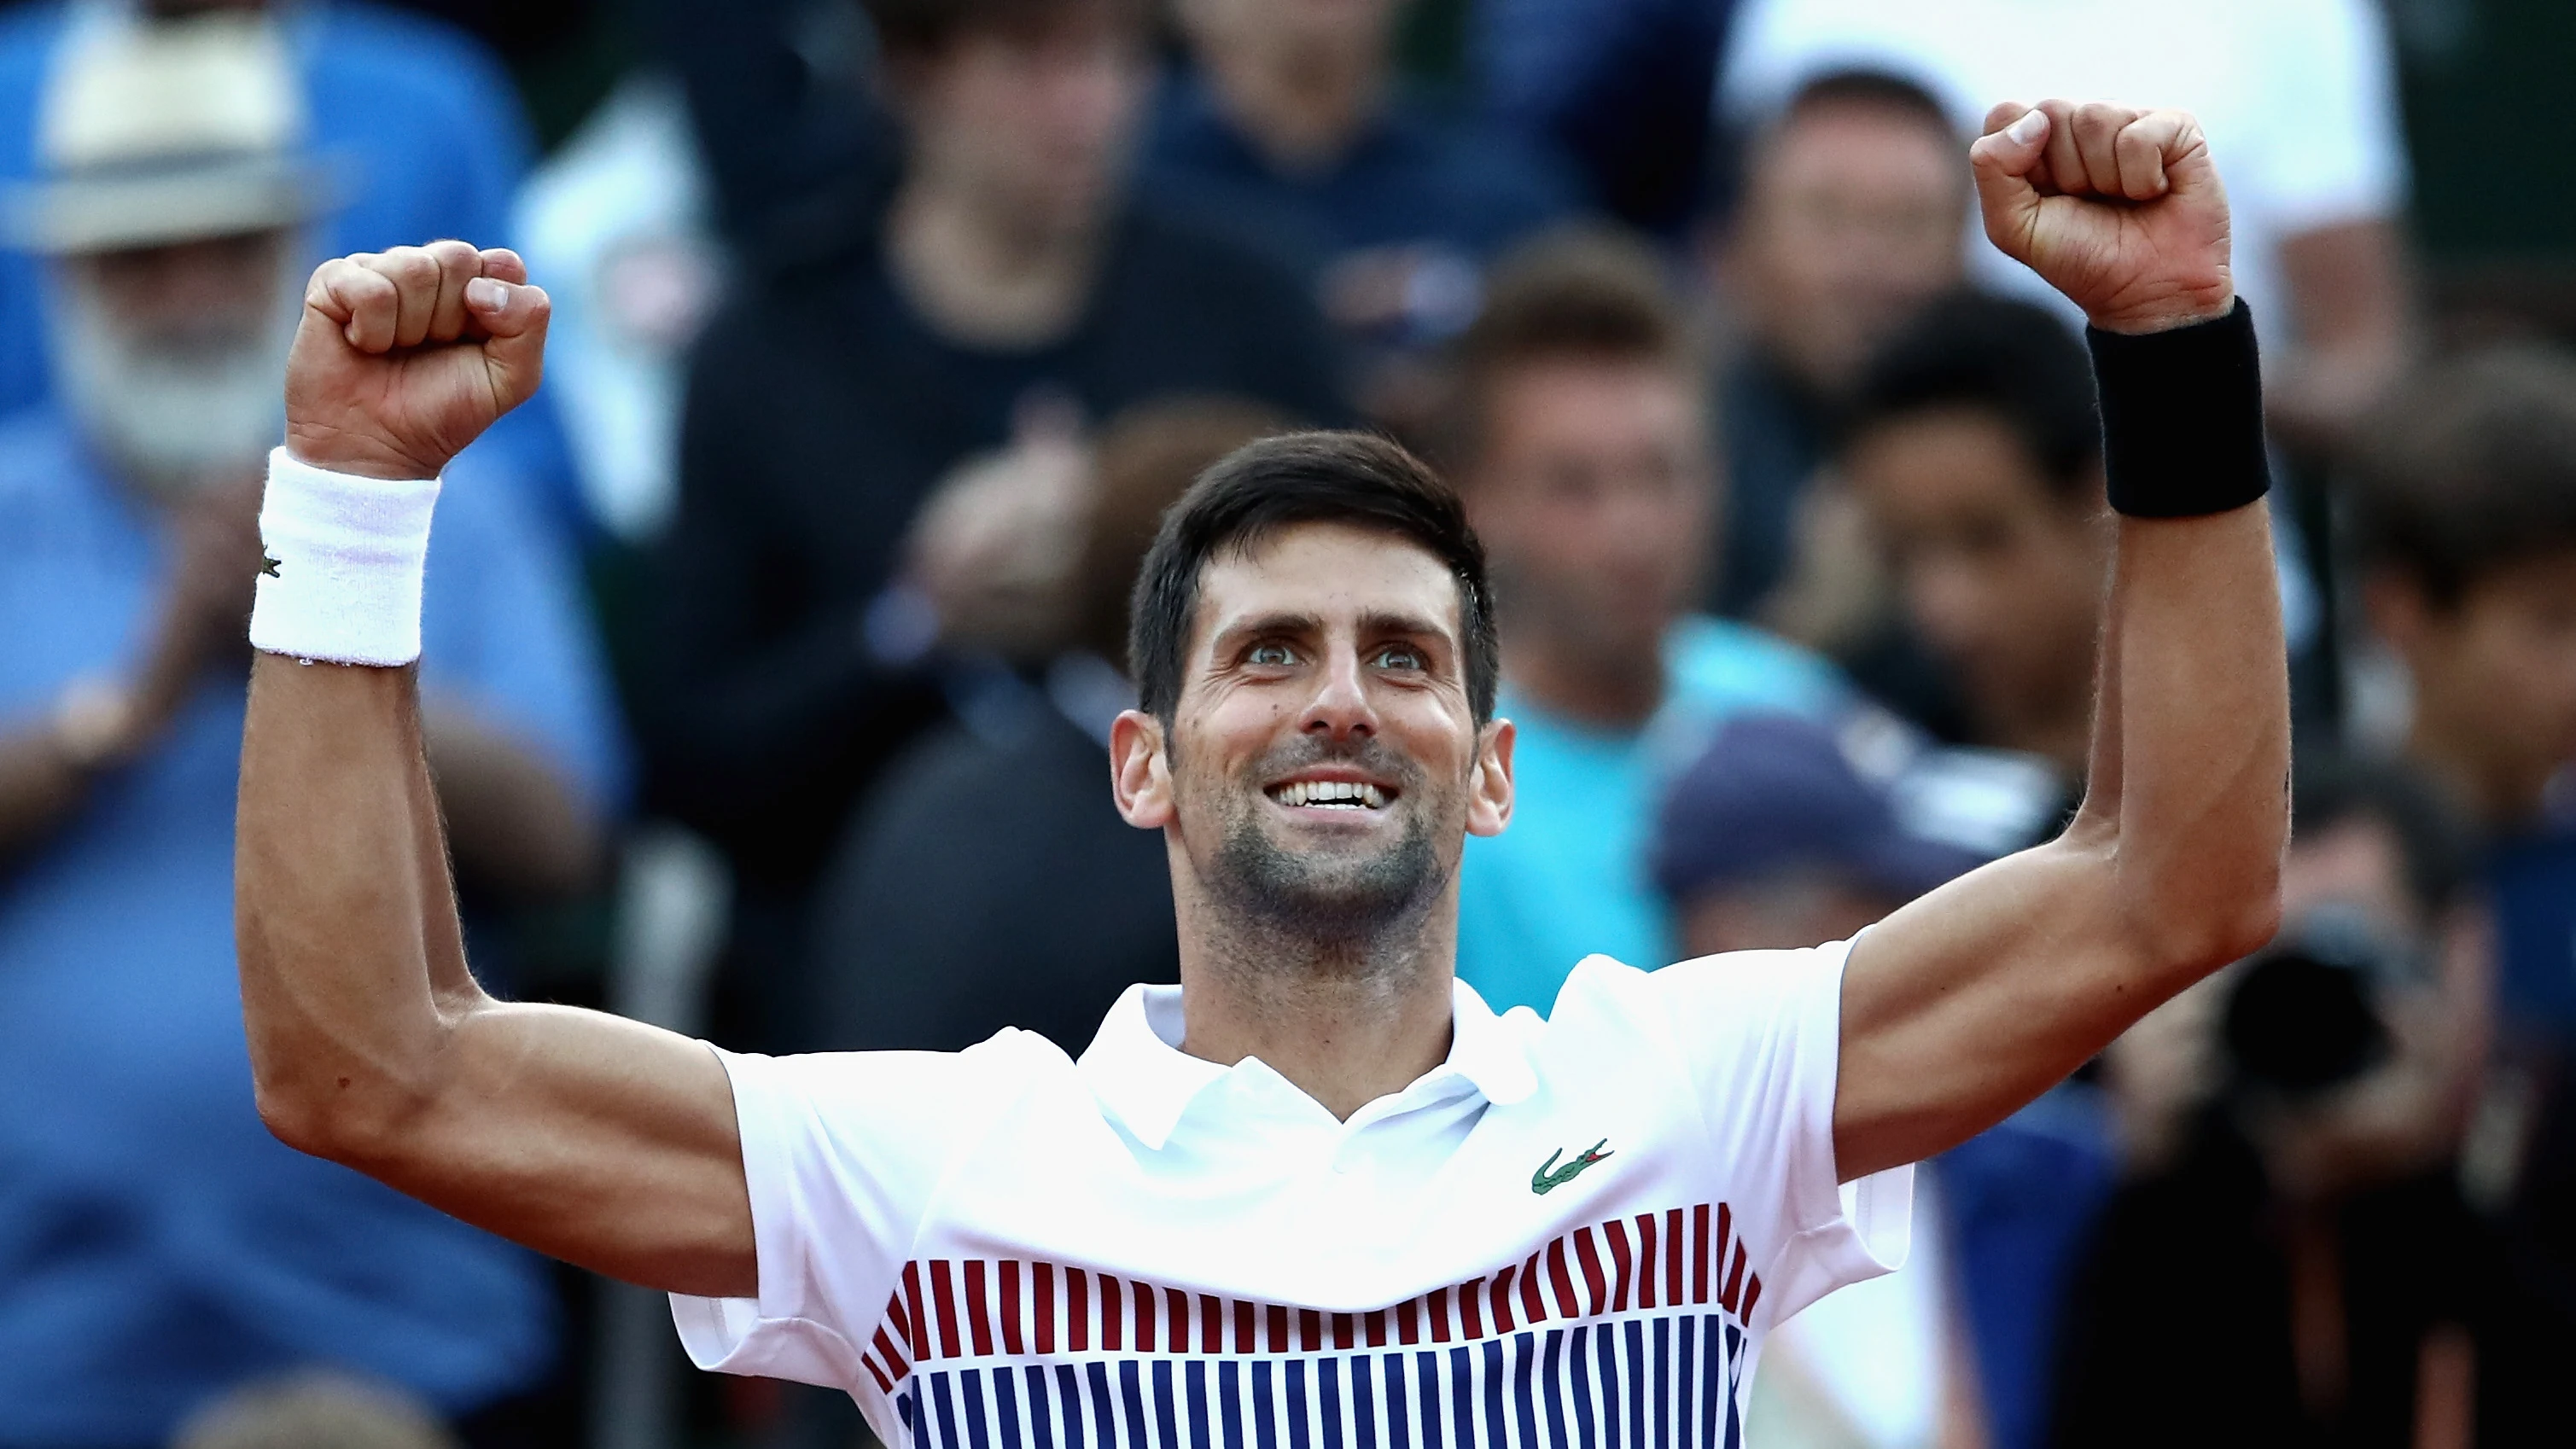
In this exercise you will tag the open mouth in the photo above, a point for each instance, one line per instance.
(1332, 795)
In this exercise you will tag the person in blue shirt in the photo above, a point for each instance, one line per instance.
(1289, 126)
(420, 125)
(157, 1245)
(1582, 448)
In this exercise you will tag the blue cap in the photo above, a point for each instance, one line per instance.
(1778, 793)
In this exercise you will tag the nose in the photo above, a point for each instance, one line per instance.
(1340, 708)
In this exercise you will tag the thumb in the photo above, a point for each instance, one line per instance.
(2002, 160)
(512, 316)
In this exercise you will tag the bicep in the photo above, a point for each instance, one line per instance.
(602, 1141)
(1971, 1001)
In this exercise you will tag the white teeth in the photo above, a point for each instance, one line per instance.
(1331, 795)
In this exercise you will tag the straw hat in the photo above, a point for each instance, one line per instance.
(166, 131)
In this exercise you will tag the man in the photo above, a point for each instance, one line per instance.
(1975, 456)
(1289, 125)
(1319, 1181)
(1849, 222)
(159, 1246)
(2300, 101)
(1581, 447)
(2466, 536)
(1011, 296)
(423, 129)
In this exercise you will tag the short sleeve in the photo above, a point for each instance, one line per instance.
(843, 1153)
(1760, 1032)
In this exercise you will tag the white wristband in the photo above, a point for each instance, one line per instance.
(341, 580)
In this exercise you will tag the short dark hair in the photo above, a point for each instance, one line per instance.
(2470, 468)
(1588, 293)
(1358, 479)
(1146, 458)
(2434, 848)
(1862, 88)
(914, 29)
(2011, 359)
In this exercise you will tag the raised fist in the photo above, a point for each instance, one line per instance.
(2118, 208)
(406, 356)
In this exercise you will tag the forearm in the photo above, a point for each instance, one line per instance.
(352, 967)
(512, 823)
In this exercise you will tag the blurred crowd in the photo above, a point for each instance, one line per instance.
(774, 648)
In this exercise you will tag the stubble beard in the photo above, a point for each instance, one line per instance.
(1351, 912)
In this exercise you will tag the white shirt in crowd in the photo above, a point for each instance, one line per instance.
(2298, 97)
(1575, 1231)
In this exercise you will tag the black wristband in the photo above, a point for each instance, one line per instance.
(2182, 417)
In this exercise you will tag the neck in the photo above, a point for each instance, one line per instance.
(1300, 104)
(1607, 689)
(984, 274)
(1347, 1021)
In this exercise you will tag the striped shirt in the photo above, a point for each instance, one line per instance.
(1572, 1232)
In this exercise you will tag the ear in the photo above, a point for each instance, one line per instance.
(1489, 794)
(1138, 772)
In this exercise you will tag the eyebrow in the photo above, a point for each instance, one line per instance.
(1378, 622)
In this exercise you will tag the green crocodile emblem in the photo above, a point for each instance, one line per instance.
(1550, 1177)
(267, 565)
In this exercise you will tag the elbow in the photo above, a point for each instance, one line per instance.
(338, 1118)
(2193, 932)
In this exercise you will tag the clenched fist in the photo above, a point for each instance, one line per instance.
(406, 356)
(2118, 208)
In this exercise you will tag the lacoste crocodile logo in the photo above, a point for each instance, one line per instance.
(267, 565)
(1550, 1177)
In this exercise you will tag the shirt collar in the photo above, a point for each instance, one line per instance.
(1143, 1079)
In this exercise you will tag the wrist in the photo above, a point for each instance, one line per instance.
(2182, 417)
(2166, 314)
(344, 558)
(358, 455)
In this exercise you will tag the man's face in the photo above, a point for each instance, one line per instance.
(174, 356)
(2495, 673)
(1851, 220)
(1035, 124)
(1593, 492)
(2000, 574)
(1323, 765)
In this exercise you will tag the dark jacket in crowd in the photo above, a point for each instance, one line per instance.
(990, 882)
(821, 412)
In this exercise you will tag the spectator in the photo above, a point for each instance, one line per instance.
(160, 1244)
(424, 135)
(1850, 221)
(2307, 1237)
(1977, 460)
(1581, 445)
(1013, 288)
(2299, 101)
(1789, 832)
(941, 921)
(1974, 452)
(1290, 124)
(313, 1411)
(2466, 531)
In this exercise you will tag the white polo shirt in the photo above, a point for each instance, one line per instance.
(1573, 1232)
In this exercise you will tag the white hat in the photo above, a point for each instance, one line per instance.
(152, 132)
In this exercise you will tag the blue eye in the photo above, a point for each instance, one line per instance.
(1272, 656)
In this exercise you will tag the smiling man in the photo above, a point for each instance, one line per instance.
(1317, 1193)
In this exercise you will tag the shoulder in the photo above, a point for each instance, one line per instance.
(934, 1096)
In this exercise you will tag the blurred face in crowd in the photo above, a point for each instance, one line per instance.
(1284, 32)
(1323, 764)
(2494, 676)
(174, 357)
(1592, 488)
(1032, 123)
(1851, 219)
(1783, 912)
(2001, 574)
